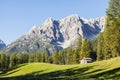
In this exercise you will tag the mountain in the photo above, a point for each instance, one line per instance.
(2, 44)
(57, 34)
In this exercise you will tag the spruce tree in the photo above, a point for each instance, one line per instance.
(69, 55)
(13, 60)
(62, 57)
(46, 57)
(55, 57)
(37, 57)
(85, 49)
(76, 57)
(100, 55)
(112, 30)
(3, 56)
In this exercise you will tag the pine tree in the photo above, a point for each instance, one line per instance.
(31, 58)
(13, 60)
(4, 61)
(69, 55)
(7, 61)
(19, 57)
(76, 57)
(79, 44)
(100, 55)
(112, 30)
(3, 56)
(25, 57)
(77, 51)
(37, 57)
(62, 57)
(86, 49)
(46, 57)
(55, 57)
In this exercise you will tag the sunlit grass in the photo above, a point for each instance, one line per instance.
(101, 69)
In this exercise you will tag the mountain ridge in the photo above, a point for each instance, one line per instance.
(57, 34)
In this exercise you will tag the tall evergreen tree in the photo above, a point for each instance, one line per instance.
(86, 49)
(37, 57)
(46, 57)
(69, 55)
(100, 55)
(55, 57)
(31, 58)
(62, 57)
(3, 56)
(7, 61)
(13, 60)
(112, 30)
(77, 51)
(76, 57)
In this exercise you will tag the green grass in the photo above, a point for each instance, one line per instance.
(101, 70)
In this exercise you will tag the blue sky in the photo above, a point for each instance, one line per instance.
(18, 16)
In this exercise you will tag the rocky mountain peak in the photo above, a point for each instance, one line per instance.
(48, 22)
(74, 18)
(57, 34)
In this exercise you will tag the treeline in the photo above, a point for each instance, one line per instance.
(74, 54)
(9, 61)
(71, 55)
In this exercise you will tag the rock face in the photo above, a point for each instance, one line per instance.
(56, 35)
(2, 44)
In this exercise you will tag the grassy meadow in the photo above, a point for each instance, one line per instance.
(100, 70)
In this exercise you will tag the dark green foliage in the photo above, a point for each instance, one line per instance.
(55, 57)
(4, 61)
(22, 58)
(13, 60)
(77, 51)
(112, 31)
(37, 57)
(72, 55)
(46, 57)
(31, 58)
(76, 57)
(86, 49)
(63, 56)
(79, 44)
(69, 55)
(100, 48)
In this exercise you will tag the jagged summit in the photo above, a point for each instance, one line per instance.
(48, 21)
(57, 34)
(70, 17)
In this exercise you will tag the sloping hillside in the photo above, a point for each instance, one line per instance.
(107, 69)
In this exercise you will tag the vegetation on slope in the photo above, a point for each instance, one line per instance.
(107, 69)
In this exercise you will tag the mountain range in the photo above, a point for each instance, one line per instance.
(56, 34)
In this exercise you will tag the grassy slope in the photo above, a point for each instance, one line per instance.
(107, 69)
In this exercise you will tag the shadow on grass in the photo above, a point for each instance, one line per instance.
(110, 74)
(67, 74)
(5, 73)
(75, 73)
